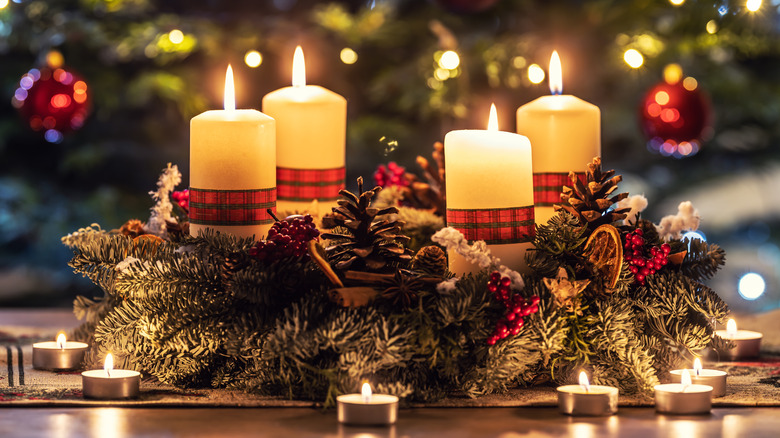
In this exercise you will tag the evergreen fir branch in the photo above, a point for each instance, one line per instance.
(703, 259)
(501, 365)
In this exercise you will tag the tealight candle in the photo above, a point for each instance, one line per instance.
(699, 376)
(683, 398)
(747, 343)
(58, 355)
(110, 384)
(366, 408)
(587, 399)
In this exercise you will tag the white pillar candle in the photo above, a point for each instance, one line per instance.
(311, 125)
(683, 398)
(110, 384)
(232, 169)
(587, 399)
(490, 192)
(58, 355)
(565, 132)
(747, 343)
(701, 376)
(366, 408)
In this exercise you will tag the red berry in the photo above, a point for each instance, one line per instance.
(640, 278)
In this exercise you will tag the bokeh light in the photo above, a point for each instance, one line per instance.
(751, 286)
(677, 2)
(3, 3)
(690, 83)
(253, 58)
(753, 5)
(54, 58)
(535, 74)
(633, 58)
(712, 27)
(673, 73)
(348, 56)
(176, 36)
(449, 60)
(691, 235)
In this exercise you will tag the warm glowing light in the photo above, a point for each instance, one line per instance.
(365, 392)
(108, 365)
(654, 110)
(3, 3)
(662, 98)
(176, 36)
(584, 383)
(348, 56)
(690, 83)
(670, 115)
(299, 68)
(677, 2)
(556, 75)
(673, 74)
(685, 379)
(697, 366)
(753, 5)
(80, 92)
(230, 90)
(712, 27)
(253, 59)
(449, 60)
(441, 74)
(60, 101)
(751, 286)
(54, 59)
(61, 341)
(731, 329)
(535, 74)
(493, 118)
(633, 58)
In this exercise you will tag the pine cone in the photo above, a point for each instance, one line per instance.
(362, 243)
(132, 228)
(430, 260)
(591, 201)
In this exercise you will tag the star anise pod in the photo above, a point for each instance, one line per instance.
(403, 289)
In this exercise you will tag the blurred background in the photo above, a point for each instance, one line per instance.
(96, 97)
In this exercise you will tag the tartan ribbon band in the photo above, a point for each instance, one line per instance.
(304, 185)
(495, 225)
(231, 207)
(548, 187)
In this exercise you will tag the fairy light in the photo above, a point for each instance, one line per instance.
(633, 58)
(753, 5)
(176, 36)
(253, 58)
(535, 74)
(348, 56)
(449, 60)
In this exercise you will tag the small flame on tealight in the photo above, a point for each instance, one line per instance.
(697, 366)
(685, 380)
(365, 392)
(230, 90)
(299, 68)
(493, 119)
(61, 341)
(556, 74)
(731, 329)
(584, 381)
(108, 365)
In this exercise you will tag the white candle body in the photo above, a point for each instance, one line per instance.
(597, 401)
(714, 378)
(489, 170)
(49, 356)
(674, 398)
(381, 409)
(747, 344)
(565, 132)
(118, 384)
(234, 151)
(311, 126)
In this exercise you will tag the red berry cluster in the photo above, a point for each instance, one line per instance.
(390, 175)
(286, 238)
(517, 308)
(639, 263)
(182, 199)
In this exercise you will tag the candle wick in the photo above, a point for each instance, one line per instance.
(271, 213)
(108, 373)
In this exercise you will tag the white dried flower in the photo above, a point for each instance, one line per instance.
(637, 204)
(673, 226)
(161, 212)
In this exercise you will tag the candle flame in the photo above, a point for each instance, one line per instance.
(61, 341)
(685, 379)
(230, 90)
(493, 119)
(697, 366)
(365, 392)
(584, 381)
(731, 329)
(299, 68)
(108, 365)
(556, 74)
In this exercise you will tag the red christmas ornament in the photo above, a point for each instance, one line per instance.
(55, 101)
(673, 118)
(467, 6)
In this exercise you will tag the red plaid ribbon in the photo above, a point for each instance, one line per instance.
(231, 207)
(308, 184)
(548, 187)
(496, 225)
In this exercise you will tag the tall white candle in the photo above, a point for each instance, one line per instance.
(565, 132)
(490, 192)
(311, 124)
(232, 169)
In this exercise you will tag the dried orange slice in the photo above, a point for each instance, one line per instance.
(604, 250)
(147, 244)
